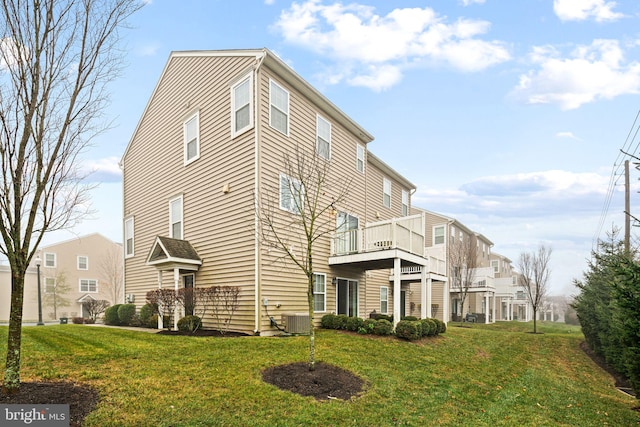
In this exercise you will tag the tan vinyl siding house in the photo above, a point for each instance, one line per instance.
(209, 150)
(85, 266)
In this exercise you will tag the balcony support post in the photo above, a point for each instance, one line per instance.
(426, 299)
(397, 294)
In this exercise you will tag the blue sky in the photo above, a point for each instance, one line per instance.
(507, 115)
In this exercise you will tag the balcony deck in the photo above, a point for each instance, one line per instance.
(377, 244)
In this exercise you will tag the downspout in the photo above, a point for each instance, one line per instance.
(256, 186)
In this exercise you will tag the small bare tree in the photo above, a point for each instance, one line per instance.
(534, 277)
(463, 261)
(296, 215)
(112, 271)
(166, 300)
(54, 295)
(225, 304)
(56, 57)
(95, 307)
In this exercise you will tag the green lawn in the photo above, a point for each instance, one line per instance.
(482, 375)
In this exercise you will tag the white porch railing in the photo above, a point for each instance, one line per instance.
(437, 266)
(406, 233)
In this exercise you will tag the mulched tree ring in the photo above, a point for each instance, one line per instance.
(81, 399)
(323, 383)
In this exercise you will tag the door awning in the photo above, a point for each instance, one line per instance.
(168, 254)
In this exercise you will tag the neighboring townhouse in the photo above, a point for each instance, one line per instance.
(71, 273)
(77, 270)
(209, 149)
(450, 240)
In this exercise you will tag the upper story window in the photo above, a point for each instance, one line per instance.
(175, 218)
(496, 266)
(291, 194)
(438, 235)
(360, 158)
(323, 138)
(241, 111)
(83, 262)
(279, 107)
(405, 203)
(128, 237)
(50, 259)
(88, 285)
(192, 138)
(49, 285)
(319, 292)
(386, 192)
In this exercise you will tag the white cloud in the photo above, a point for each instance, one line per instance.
(149, 49)
(470, 2)
(568, 135)
(597, 71)
(269, 2)
(580, 10)
(373, 49)
(103, 170)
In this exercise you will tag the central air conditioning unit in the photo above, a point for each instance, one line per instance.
(296, 323)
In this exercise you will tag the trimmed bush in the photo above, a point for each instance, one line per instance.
(111, 315)
(383, 327)
(340, 321)
(410, 318)
(89, 321)
(409, 329)
(367, 326)
(354, 324)
(327, 321)
(385, 317)
(152, 322)
(429, 327)
(189, 323)
(78, 320)
(442, 327)
(146, 311)
(126, 313)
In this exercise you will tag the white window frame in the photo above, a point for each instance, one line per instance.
(386, 192)
(86, 262)
(129, 235)
(324, 293)
(235, 108)
(292, 184)
(172, 220)
(405, 203)
(496, 266)
(272, 84)
(360, 158)
(384, 299)
(88, 285)
(324, 138)
(196, 138)
(47, 285)
(444, 235)
(46, 261)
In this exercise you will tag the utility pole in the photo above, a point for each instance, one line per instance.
(627, 209)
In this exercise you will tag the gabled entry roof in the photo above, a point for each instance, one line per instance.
(167, 253)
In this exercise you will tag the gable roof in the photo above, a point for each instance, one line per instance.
(267, 58)
(173, 253)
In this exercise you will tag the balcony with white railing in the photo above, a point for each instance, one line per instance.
(406, 233)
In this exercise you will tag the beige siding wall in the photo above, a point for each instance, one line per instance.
(282, 282)
(30, 297)
(220, 226)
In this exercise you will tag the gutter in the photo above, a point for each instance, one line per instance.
(256, 186)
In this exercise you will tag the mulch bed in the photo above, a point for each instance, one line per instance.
(202, 333)
(323, 383)
(81, 399)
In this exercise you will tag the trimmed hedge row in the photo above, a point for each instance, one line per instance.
(407, 329)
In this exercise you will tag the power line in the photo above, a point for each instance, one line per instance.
(616, 174)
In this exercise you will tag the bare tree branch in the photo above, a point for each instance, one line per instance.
(534, 277)
(56, 59)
